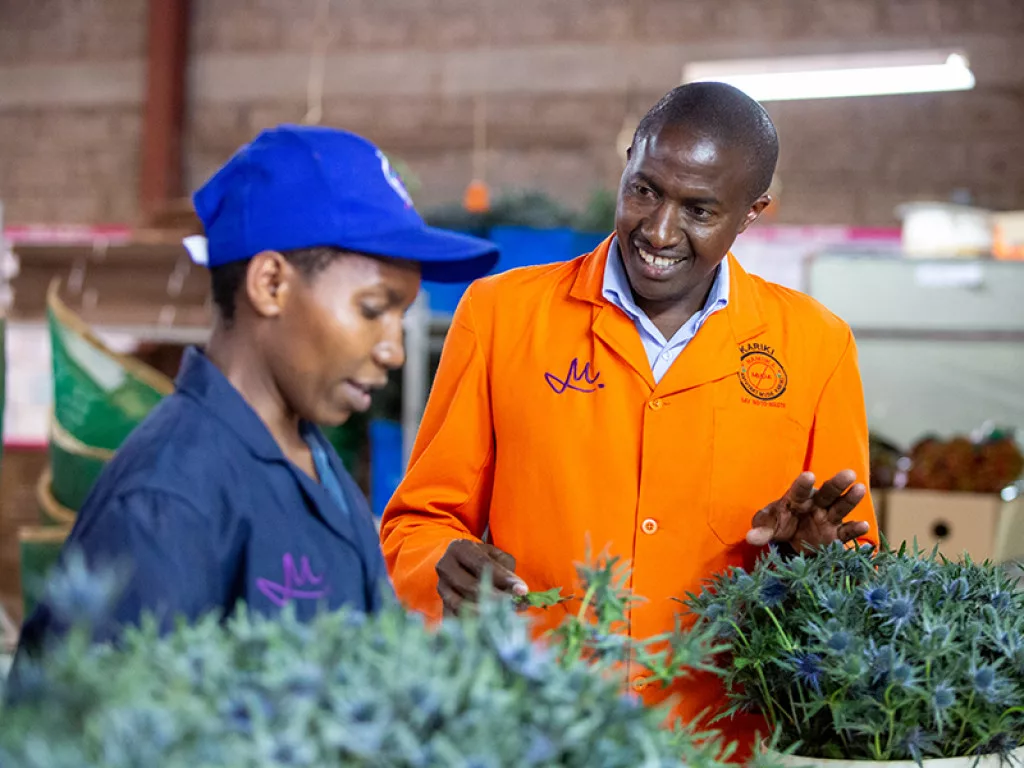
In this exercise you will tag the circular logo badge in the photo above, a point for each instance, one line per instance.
(762, 375)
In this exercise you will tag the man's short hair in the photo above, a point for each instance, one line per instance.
(724, 114)
(226, 280)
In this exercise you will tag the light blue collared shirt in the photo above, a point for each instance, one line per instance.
(661, 353)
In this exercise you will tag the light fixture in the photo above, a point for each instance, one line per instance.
(823, 77)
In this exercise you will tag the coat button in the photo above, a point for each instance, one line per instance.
(639, 684)
(649, 526)
(655, 404)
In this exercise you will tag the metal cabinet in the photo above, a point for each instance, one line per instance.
(941, 343)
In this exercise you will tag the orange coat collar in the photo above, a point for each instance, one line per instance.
(744, 309)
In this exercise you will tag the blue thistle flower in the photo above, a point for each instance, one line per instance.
(840, 641)
(1001, 601)
(714, 612)
(921, 572)
(938, 635)
(943, 697)
(725, 631)
(744, 581)
(522, 657)
(877, 598)
(902, 674)
(883, 660)
(773, 592)
(305, 679)
(541, 750)
(79, 594)
(919, 743)
(808, 669)
(832, 601)
(1000, 744)
(984, 680)
(958, 589)
(855, 666)
(900, 611)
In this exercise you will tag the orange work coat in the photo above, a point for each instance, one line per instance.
(545, 427)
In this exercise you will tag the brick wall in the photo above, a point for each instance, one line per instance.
(560, 79)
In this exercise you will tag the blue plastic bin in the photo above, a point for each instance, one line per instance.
(519, 247)
(386, 467)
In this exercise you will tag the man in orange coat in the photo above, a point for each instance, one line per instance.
(650, 397)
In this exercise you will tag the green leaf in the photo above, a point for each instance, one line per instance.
(544, 599)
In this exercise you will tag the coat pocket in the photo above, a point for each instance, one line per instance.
(757, 454)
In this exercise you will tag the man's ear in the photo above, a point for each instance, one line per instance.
(756, 208)
(269, 281)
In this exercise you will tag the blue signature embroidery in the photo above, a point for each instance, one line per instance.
(575, 379)
(294, 579)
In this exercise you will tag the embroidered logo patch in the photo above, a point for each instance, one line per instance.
(299, 583)
(761, 374)
(575, 379)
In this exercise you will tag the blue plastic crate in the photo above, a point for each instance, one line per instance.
(519, 247)
(386, 467)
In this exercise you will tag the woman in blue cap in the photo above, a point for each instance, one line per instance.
(227, 492)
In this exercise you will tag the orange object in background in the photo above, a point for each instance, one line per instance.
(1008, 236)
(546, 429)
(477, 198)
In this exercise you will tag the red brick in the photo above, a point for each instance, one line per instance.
(999, 16)
(268, 115)
(997, 161)
(923, 17)
(28, 209)
(816, 199)
(597, 20)
(841, 20)
(122, 206)
(382, 25)
(247, 32)
(930, 162)
(218, 125)
(83, 209)
(689, 21)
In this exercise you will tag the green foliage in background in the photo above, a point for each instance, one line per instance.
(528, 209)
(860, 655)
(599, 214)
(345, 690)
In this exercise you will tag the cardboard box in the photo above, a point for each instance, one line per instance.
(981, 525)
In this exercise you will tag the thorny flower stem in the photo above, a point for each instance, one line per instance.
(767, 697)
(786, 642)
(963, 723)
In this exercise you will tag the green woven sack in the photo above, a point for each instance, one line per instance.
(51, 511)
(100, 396)
(75, 467)
(39, 547)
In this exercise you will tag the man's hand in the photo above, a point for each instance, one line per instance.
(808, 518)
(462, 567)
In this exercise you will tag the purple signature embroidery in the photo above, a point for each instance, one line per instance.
(575, 379)
(296, 581)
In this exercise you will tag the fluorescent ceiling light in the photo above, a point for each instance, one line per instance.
(823, 77)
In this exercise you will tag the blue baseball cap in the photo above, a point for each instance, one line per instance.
(297, 187)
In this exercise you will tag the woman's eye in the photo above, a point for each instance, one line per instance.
(371, 313)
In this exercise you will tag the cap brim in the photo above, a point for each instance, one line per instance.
(444, 256)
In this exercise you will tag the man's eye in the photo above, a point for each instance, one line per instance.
(371, 313)
(643, 190)
(700, 213)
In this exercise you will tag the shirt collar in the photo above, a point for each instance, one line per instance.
(616, 287)
(204, 382)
